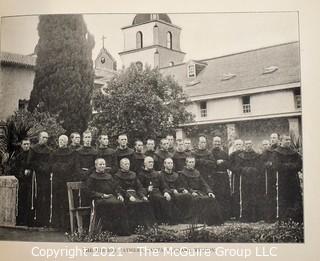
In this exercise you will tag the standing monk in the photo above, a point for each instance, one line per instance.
(235, 178)
(62, 163)
(170, 140)
(187, 147)
(221, 185)
(21, 171)
(150, 148)
(85, 157)
(179, 156)
(39, 162)
(107, 153)
(269, 179)
(162, 154)
(289, 197)
(205, 162)
(138, 157)
(75, 141)
(123, 151)
(250, 187)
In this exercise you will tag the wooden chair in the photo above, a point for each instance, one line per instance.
(76, 211)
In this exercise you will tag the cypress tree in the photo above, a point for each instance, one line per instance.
(64, 74)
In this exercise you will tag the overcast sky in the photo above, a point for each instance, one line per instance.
(203, 35)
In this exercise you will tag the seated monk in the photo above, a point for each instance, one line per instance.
(158, 192)
(205, 208)
(138, 206)
(109, 208)
(181, 202)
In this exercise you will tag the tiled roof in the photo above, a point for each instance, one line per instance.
(268, 66)
(17, 59)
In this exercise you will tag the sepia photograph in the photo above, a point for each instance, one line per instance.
(151, 127)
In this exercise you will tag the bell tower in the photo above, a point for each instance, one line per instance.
(152, 39)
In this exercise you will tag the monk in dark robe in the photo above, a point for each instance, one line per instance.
(287, 165)
(75, 141)
(171, 147)
(62, 163)
(179, 156)
(269, 181)
(109, 210)
(138, 157)
(150, 148)
(205, 162)
(162, 154)
(39, 162)
(158, 192)
(181, 200)
(221, 186)
(235, 178)
(250, 187)
(19, 168)
(139, 209)
(205, 208)
(85, 157)
(188, 147)
(123, 151)
(107, 153)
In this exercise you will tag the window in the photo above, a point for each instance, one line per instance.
(246, 107)
(191, 71)
(139, 40)
(203, 109)
(297, 98)
(169, 40)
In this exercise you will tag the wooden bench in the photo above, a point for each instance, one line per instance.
(76, 211)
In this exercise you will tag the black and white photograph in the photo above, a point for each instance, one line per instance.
(152, 128)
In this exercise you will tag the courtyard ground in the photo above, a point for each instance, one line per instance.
(50, 235)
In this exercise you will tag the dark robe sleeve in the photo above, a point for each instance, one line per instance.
(163, 185)
(139, 188)
(30, 161)
(204, 186)
(90, 186)
(208, 163)
(180, 183)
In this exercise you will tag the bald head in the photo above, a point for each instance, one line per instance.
(202, 142)
(148, 163)
(100, 165)
(43, 137)
(238, 144)
(125, 164)
(63, 141)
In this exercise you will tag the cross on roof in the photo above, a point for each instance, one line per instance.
(103, 38)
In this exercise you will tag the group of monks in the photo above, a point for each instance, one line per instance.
(174, 183)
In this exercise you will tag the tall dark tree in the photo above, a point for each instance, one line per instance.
(63, 83)
(141, 103)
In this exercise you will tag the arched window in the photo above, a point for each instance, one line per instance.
(139, 40)
(169, 40)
